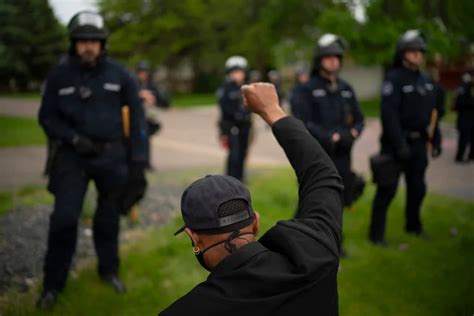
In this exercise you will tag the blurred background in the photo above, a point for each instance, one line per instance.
(188, 41)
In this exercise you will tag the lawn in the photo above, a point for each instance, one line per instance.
(26, 196)
(429, 278)
(194, 99)
(20, 131)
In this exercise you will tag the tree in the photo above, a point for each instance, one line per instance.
(447, 24)
(31, 40)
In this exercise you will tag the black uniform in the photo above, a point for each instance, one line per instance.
(235, 123)
(464, 105)
(87, 102)
(327, 111)
(408, 100)
(292, 269)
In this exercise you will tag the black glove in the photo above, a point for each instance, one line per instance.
(436, 150)
(84, 146)
(403, 152)
(135, 188)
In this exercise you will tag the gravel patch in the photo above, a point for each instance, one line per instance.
(23, 235)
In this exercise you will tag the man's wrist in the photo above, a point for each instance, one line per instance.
(273, 116)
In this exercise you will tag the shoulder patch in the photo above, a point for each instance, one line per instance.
(66, 90)
(346, 94)
(112, 86)
(387, 88)
(319, 93)
(408, 88)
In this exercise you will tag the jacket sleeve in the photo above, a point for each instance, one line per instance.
(138, 130)
(357, 113)
(320, 186)
(50, 118)
(390, 113)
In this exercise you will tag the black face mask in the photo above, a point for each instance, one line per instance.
(229, 246)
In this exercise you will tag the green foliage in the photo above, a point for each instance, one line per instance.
(429, 278)
(31, 41)
(20, 131)
(446, 24)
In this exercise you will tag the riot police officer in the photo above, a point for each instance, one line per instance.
(331, 111)
(81, 109)
(235, 120)
(464, 106)
(152, 98)
(408, 124)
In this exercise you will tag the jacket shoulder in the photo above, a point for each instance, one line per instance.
(345, 85)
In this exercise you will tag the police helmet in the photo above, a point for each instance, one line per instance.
(87, 25)
(330, 45)
(236, 62)
(411, 40)
(143, 65)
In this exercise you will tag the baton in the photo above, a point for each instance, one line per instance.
(432, 128)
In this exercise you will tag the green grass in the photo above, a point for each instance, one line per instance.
(191, 100)
(370, 107)
(430, 278)
(20, 131)
(25, 196)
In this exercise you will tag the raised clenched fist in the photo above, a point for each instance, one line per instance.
(262, 99)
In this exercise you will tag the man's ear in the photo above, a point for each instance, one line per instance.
(192, 235)
(256, 223)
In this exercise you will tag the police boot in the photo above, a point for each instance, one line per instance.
(114, 281)
(47, 299)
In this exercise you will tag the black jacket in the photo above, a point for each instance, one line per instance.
(408, 98)
(292, 269)
(233, 111)
(464, 105)
(326, 112)
(64, 113)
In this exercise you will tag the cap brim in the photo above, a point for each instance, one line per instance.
(179, 231)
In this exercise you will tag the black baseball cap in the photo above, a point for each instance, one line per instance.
(216, 204)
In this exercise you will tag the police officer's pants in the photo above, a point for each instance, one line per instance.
(343, 165)
(68, 182)
(238, 144)
(414, 171)
(466, 138)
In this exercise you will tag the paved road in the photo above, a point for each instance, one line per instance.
(189, 139)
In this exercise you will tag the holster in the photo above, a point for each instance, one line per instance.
(52, 151)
